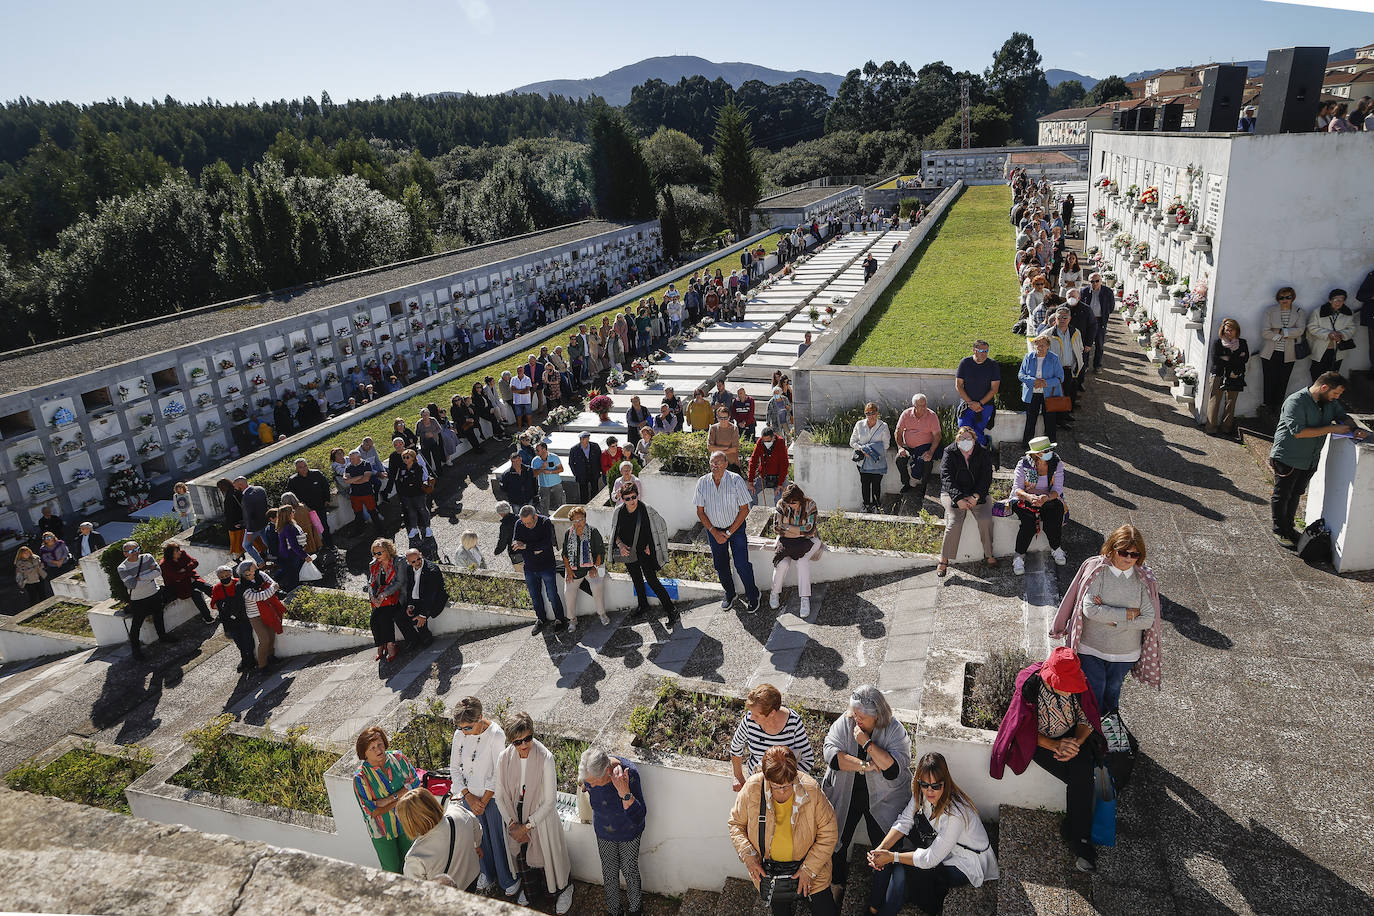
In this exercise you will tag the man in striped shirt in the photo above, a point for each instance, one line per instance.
(723, 500)
(767, 723)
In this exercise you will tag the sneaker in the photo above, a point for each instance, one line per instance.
(674, 619)
(522, 899)
(726, 602)
(539, 627)
(1018, 564)
(773, 601)
(565, 900)
(563, 626)
(805, 611)
(511, 891)
(1059, 558)
(1087, 857)
(484, 884)
(601, 615)
(752, 607)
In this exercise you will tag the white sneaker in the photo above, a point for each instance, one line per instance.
(1018, 564)
(484, 884)
(602, 616)
(1059, 558)
(773, 600)
(805, 611)
(510, 891)
(522, 899)
(564, 900)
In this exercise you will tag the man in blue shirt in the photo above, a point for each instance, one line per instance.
(1306, 418)
(548, 470)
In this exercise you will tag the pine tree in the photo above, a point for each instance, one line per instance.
(738, 181)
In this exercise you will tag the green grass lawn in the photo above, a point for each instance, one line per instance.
(959, 287)
(891, 185)
(379, 426)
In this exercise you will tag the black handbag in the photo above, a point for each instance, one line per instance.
(1301, 349)
(777, 884)
(1344, 344)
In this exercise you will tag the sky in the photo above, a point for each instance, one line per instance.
(85, 51)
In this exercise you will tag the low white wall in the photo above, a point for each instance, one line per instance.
(19, 643)
(111, 627)
(1342, 493)
(68, 586)
(97, 584)
(672, 496)
(351, 837)
(300, 638)
(830, 476)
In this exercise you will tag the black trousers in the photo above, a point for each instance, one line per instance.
(240, 631)
(434, 453)
(913, 466)
(1289, 485)
(871, 485)
(1276, 375)
(386, 620)
(1051, 520)
(647, 573)
(839, 862)
(1330, 362)
(139, 611)
(1035, 407)
(1077, 777)
(586, 489)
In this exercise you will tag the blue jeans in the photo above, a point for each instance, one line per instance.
(493, 861)
(248, 538)
(1105, 678)
(979, 421)
(539, 581)
(888, 892)
(738, 544)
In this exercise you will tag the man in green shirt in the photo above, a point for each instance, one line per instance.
(1306, 418)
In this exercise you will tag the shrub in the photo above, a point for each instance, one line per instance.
(150, 535)
(68, 617)
(923, 536)
(492, 590)
(681, 453)
(289, 773)
(688, 564)
(836, 429)
(907, 206)
(330, 608)
(989, 695)
(85, 776)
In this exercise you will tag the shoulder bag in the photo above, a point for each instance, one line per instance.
(777, 884)
(1058, 403)
(452, 842)
(1344, 344)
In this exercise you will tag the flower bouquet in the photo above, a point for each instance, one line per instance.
(367, 344)
(68, 446)
(89, 504)
(1186, 375)
(1140, 251)
(361, 321)
(145, 420)
(1150, 197)
(1167, 275)
(117, 459)
(149, 446)
(253, 362)
(197, 374)
(343, 332)
(650, 377)
(347, 349)
(232, 390)
(615, 379)
(601, 405)
(561, 415)
(204, 399)
(41, 491)
(416, 324)
(1104, 183)
(192, 454)
(181, 435)
(27, 461)
(1100, 214)
(173, 409)
(259, 381)
(212, 426)
(218, 451)
(82, 475)
(1113, 226)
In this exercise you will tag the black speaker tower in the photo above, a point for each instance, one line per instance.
(1170, 117)
(1145, 117)
(1292, 90)
(1223, 87)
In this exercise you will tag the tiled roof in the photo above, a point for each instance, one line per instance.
(1071, 114)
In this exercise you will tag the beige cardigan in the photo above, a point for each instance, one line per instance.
(427, 855)
(547, 848)
(1273, 336)
(814, 830)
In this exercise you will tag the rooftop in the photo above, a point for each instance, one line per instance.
(1073, 114)
(54, 360)
(1041, 158)
(802, 197)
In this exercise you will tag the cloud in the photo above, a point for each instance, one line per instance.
(479, 15)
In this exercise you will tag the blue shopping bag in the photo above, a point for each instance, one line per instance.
(1104, 808)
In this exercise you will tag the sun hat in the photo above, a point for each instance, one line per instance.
(1063, 671)
(1041, 444)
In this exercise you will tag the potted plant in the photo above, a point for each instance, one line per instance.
(601, 406)
(1187, 380)
(813, 313)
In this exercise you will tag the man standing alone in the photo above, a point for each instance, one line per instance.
(723, 500)
(1307, 417)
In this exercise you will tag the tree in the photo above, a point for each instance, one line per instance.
(785, 113)
(738, 179)
(675, 158)
(869, 99)
(1068, 94)
(668, 223)
(988, 126)
(621, 181)
(1018, 81)
(1108, 90)
(419, 237)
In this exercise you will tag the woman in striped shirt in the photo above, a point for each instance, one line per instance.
(382, 778)
(767, 723)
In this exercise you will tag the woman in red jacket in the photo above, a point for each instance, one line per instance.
(180, 576)
(768, 466)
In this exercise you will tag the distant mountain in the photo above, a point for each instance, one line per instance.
(615, 86)
(1255, 67)
(1055, 77)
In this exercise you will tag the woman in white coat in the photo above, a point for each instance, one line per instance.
(1331, 332)
(958, 853)
(447, 844)
(526, 792)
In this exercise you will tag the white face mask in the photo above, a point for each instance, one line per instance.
(965, 445)
(1046, 456)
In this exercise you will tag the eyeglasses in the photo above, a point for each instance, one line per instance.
(1132, 554)
(467, 728)
(1283, 298)
(980, 349)
(521, 741)
(376, 553)
(932, 786)
(629, 496)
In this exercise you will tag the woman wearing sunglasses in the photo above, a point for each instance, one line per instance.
(526, 795)
(1110, 617)
(958, 851)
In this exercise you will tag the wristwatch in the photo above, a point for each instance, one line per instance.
(627, 797)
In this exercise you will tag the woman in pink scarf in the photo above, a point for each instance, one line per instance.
(1110, 617)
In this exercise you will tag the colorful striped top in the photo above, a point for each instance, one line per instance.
(371, 785)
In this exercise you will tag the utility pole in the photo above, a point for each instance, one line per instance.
(963, 114)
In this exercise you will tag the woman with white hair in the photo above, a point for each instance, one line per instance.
(627, 476)
(869, 775)
(617, 801)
